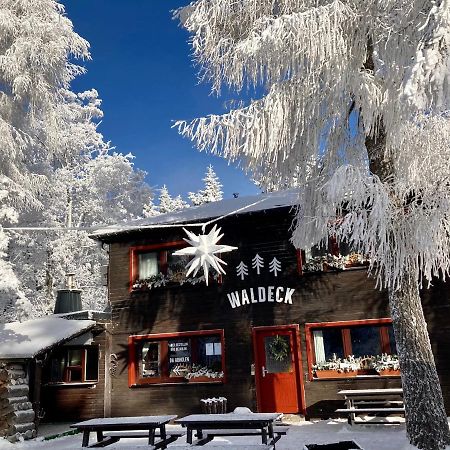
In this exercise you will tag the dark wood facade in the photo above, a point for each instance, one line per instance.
(326, 297)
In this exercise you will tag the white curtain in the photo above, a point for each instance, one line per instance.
(319, 348)
(148, 265)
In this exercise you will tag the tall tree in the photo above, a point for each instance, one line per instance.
(353, 105)
(212, 191)
(37, 49)
(88, 185)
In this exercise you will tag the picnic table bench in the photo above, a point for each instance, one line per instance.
(111, 430)
(209, 426)
(371, 401)
(235, 447)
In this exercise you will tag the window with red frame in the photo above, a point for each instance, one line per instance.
(366, 340)
(148, 262)
(194, 357)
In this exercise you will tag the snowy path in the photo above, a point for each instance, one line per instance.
(374, 437)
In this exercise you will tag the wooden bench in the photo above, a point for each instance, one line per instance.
(278, 431)
(143, 434)
(234, 447)
(150, 427)
(372, 401)
(208, 426)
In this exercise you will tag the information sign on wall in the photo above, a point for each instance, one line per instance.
(179, 355)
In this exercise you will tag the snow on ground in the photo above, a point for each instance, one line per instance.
(369, 437)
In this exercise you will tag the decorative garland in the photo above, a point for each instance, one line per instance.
(318, 263)
(279, 348)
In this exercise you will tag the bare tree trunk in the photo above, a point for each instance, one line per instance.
(426, 420)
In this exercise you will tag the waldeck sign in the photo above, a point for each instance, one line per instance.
(261, 294)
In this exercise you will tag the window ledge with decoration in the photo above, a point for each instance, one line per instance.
(329, 262)
(175, 276)
(382, 365)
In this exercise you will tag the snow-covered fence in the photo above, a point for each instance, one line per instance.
(16, 411)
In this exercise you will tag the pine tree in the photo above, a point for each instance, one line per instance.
(212, 191)
(355, 100)
(168, 204)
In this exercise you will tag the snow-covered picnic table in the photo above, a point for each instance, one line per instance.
(209, 426)
(128, 427)
(371, 401)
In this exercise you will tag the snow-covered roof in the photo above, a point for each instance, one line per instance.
(27, 339)
(195, 214)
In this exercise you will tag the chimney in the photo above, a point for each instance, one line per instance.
(68, 299)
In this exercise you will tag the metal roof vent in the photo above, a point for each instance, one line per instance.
(68, 299)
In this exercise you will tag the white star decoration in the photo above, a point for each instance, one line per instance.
(204, 248)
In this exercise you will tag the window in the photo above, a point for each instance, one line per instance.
(332, 256)
(361, 347)
(74, 365)
(156, 265)
(187, 357)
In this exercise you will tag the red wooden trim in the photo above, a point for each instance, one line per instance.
(348, 323)
(309, 353)
(131, 362)
(134, 380)
(134, 251)
(340, 324)
(385, 340)
(346, 342)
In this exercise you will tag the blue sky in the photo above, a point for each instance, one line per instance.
(143, 72)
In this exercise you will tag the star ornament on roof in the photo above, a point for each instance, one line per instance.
(204, 248)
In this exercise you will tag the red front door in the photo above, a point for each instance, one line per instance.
(277, 369)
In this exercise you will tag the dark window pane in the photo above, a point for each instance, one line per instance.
(150, 360)
(209, 353)
(179, 356)
(392, 340)
(58, 365)
(91, 364)
(328, 344)
(73, 374)
(365, 341)
(278, 354)
(74, 357)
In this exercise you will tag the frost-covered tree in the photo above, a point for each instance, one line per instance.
(212, 191)
(169, 204)
(37, 50)
(150, 209)
(353, 104)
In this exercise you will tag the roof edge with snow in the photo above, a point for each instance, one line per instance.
(197, 214)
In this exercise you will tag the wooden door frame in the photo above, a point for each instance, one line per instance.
(299, 369)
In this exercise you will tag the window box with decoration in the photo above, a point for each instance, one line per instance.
(185, 357)
(351, 348)
(153, 266)
(334, 256)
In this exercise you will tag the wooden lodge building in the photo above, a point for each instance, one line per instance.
(284, 330)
